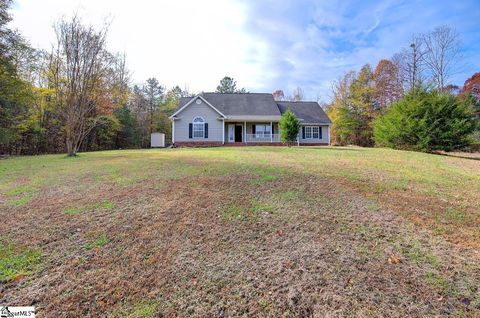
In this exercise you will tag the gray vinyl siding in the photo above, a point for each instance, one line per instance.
(323, 140)
(187, 115)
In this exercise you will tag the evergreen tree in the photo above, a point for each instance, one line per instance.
(127, 136)
(427, 121)
(153, 92)
(289, 127)
(229, 85)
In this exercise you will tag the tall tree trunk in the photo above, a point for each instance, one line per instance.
(70, 144)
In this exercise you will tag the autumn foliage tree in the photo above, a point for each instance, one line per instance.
(471, 89)
(78, 94)
(354, 108)
(78, 66)
(388, 83)
(472, 86)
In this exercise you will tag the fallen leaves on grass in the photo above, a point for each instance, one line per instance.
(394, 259)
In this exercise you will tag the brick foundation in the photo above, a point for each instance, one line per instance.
(242, 144)
(198, 144)
(313, 144)
(181, 144)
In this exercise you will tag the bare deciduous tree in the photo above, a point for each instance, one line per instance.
(79, 65)
(411, 62)
(297, 95)
(442, 54)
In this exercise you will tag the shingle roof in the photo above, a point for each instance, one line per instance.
(261, 104)
(307, 112)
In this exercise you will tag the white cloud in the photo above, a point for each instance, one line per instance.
(264, 44)
(192, 43)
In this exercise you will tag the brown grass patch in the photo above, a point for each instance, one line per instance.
(306, 257)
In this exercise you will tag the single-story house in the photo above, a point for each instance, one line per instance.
(216, 119)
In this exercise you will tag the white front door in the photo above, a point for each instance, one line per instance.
(231, 133)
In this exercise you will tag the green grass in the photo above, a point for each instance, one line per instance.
(106, 205)
(441, 284)
(15, 262)
(230, 218)
(22, 201)
(100, 241)
(290, 195)
(414, 252)
(455, 215)
(384, 173)
(20, 190)
(143, 309)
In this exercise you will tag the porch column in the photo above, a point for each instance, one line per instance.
(245, 133)
(223, 131)
(328, 132)
(271, 132)
(173, 131)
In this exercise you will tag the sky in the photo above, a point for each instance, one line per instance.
(264, 45)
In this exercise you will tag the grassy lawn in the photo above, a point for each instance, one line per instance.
(253, 231)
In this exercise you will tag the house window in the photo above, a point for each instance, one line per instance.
(312, 132)
(262, 131)
(315, 134)
(198, 127)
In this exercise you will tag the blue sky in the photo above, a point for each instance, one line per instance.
(265, 45)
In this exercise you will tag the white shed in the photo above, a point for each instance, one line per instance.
(157, 140)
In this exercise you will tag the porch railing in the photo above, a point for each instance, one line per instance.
(263, 137)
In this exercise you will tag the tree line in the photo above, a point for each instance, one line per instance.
(408, 101)
(77, 96)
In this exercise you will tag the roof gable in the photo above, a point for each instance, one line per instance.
(187, 101)
(307, 112)
(237, 104)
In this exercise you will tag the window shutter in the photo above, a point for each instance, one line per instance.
(254, 128)
(319, 132)
(190, 130)
(303, 132)
(206, 130)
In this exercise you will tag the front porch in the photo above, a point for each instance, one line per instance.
(244, 133)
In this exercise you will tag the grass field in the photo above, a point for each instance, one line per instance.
(254, 231)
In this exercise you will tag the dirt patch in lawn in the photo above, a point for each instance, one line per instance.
(226, 246)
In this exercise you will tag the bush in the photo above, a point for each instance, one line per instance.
(427, 121)
(289, 127)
